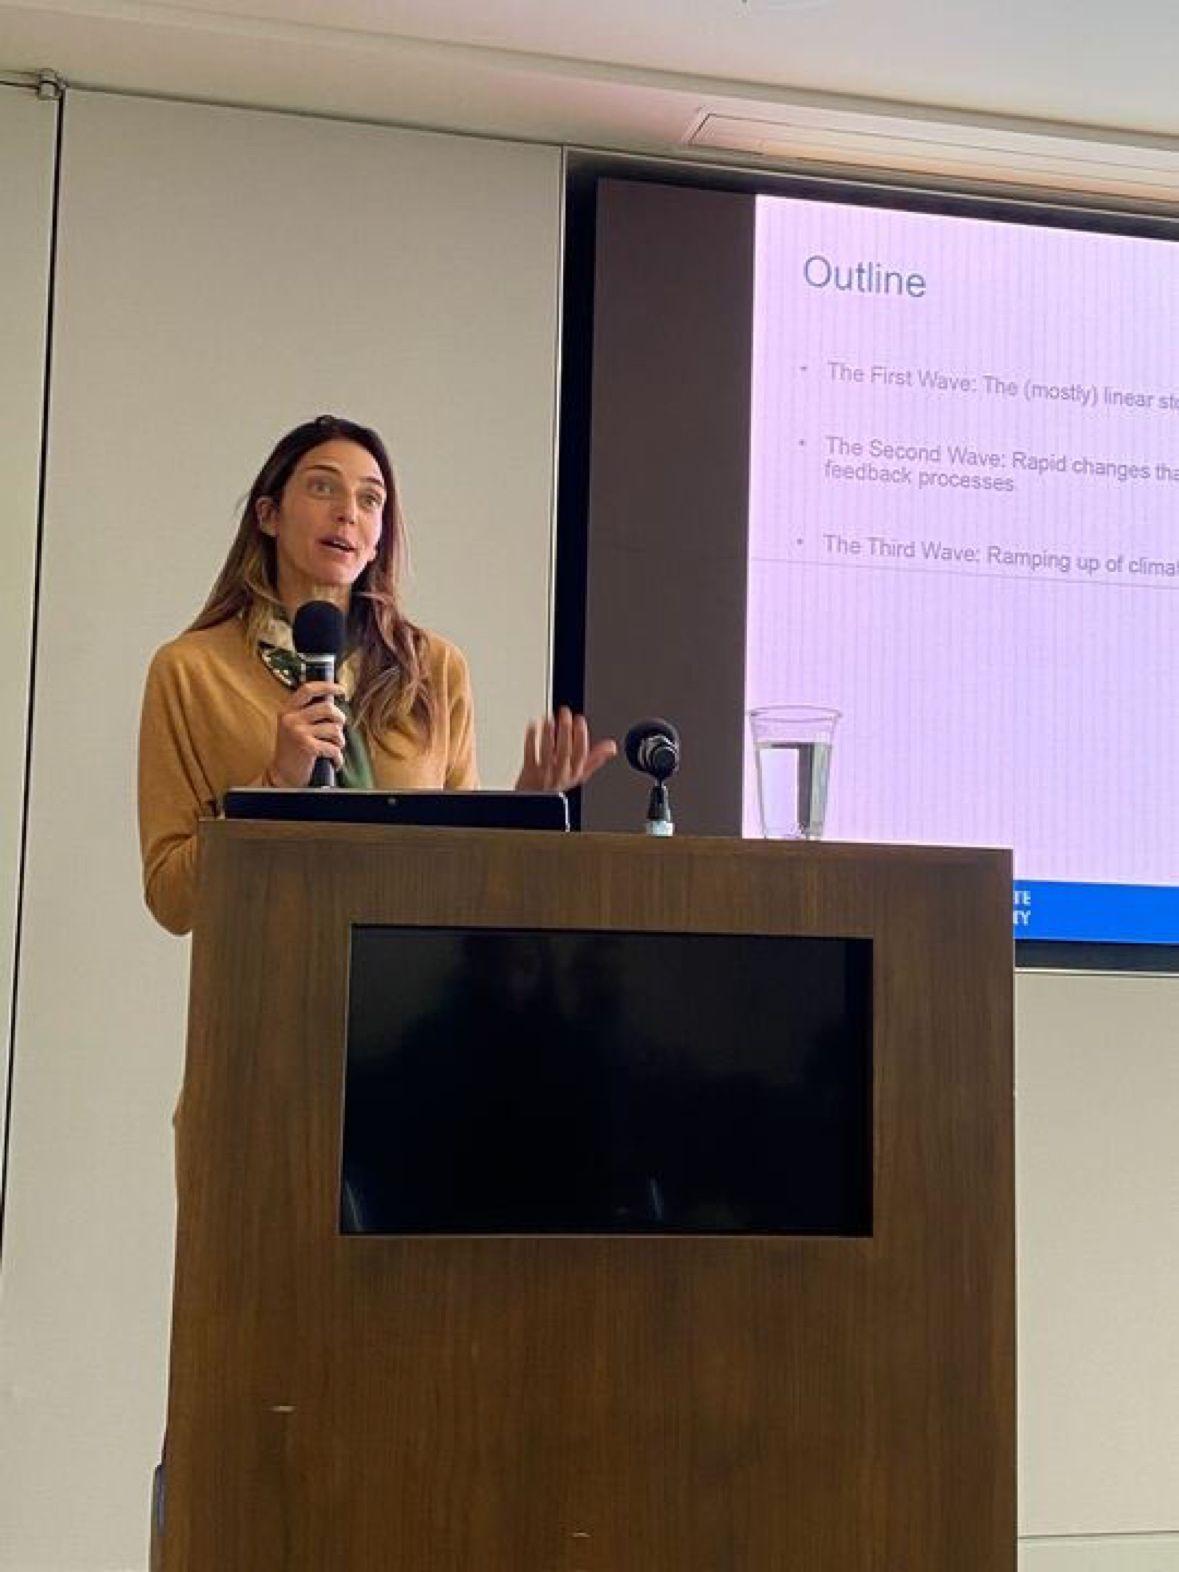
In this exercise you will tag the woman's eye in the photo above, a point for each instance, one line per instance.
(372, 502)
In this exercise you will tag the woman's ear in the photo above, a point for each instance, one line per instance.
(266, 514)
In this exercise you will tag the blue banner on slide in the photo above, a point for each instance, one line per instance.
(1096, 913)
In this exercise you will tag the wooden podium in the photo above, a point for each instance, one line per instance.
(607, 1403)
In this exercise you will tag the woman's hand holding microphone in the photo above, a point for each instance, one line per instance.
(310, 727)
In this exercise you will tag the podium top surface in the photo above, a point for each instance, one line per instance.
(289, 881)
(589, 843)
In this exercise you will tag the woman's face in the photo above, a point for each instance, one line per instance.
(327, 523)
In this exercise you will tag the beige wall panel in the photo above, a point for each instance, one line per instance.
(1097, 1128)
(224, 274)
(1101, 1553)
(28, 138)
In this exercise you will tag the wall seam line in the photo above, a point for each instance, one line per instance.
(38, 550)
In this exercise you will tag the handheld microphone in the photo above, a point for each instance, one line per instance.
(653, 748)
(318, 633)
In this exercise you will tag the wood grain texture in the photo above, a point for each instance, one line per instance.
(593, 1404)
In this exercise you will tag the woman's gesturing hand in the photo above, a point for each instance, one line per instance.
(310, 727)
(558, 754)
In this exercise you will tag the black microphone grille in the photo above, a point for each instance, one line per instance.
(648, 736)
(319, 629)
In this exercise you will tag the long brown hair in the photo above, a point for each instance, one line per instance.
(392, 679)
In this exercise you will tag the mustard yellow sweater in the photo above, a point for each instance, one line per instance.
(210, 710)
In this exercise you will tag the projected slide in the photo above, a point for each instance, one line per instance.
(964, 536)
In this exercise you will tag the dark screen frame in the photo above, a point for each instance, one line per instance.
(584, 173)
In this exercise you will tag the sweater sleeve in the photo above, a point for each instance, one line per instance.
(174, 794)
(461, 771)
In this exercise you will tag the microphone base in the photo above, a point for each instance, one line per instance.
(659, 819)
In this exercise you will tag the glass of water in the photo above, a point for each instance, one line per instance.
(792, 746)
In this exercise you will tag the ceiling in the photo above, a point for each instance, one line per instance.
(1079, 93)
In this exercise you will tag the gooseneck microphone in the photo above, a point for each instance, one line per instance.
(653, 748)
(318, 632)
